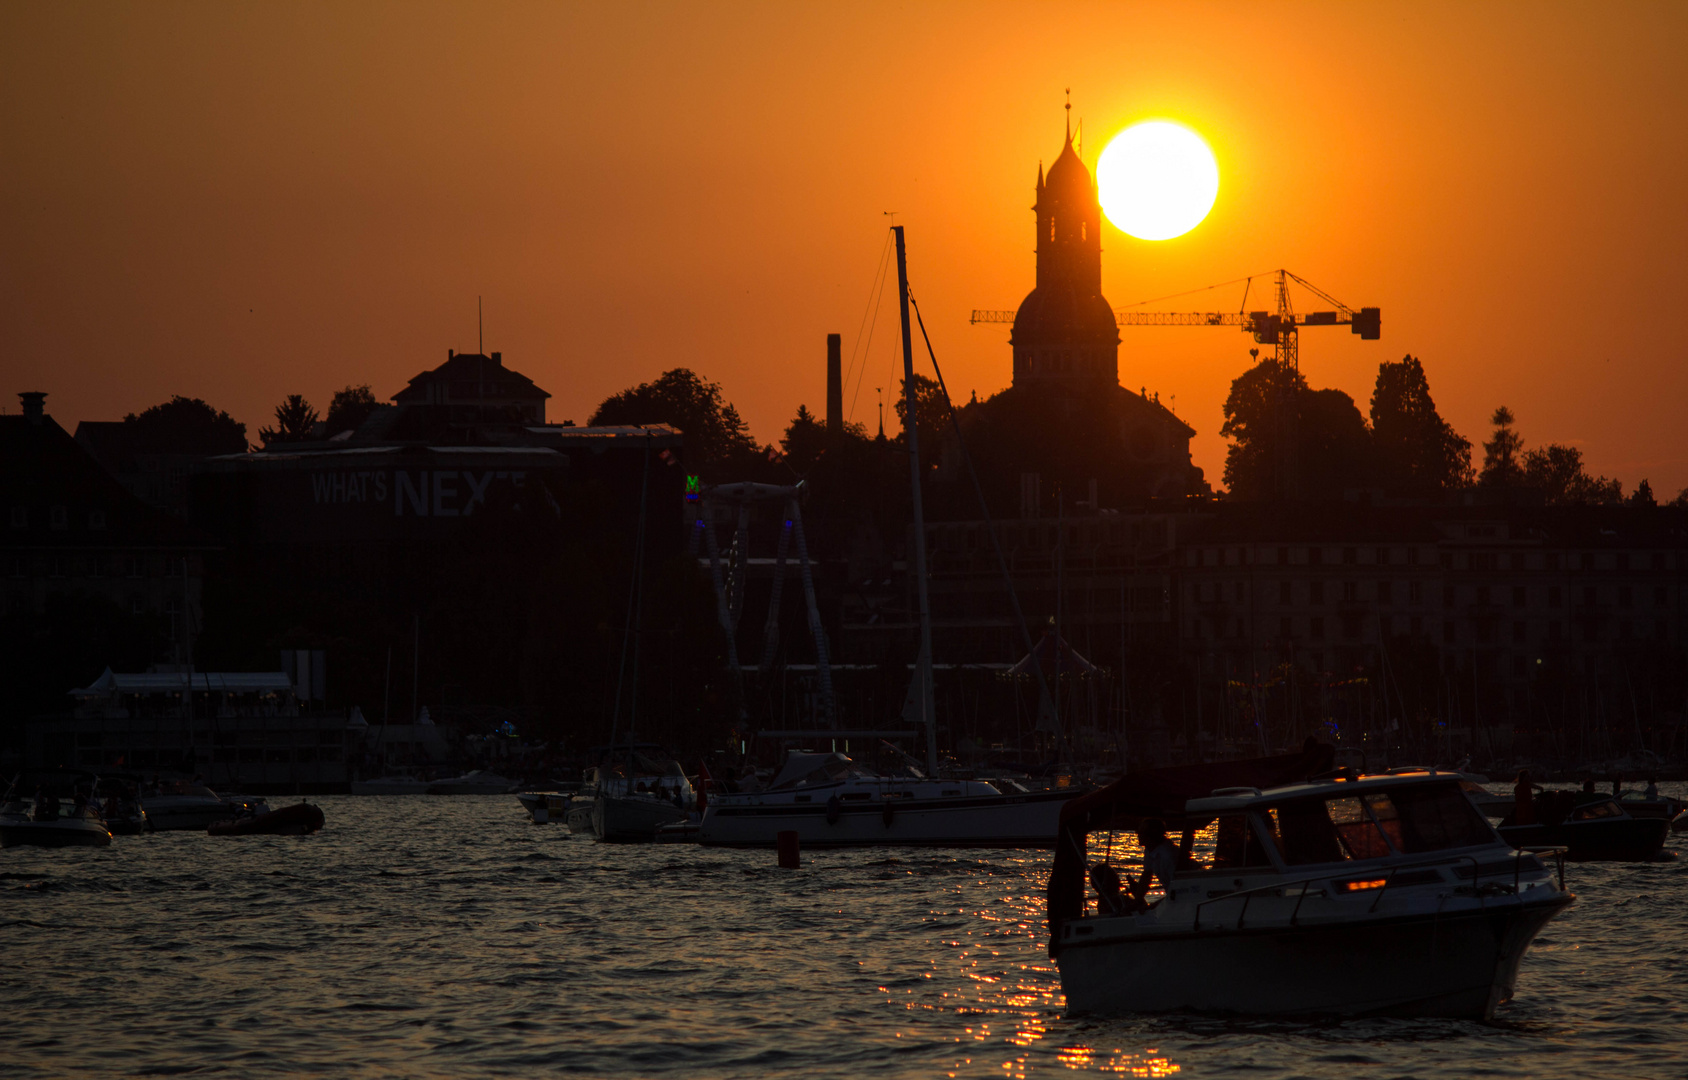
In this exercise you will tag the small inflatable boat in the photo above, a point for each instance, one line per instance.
(295, 820)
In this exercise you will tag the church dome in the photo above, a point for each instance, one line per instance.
(1068, 179)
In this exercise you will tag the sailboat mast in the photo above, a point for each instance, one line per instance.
(911, 431)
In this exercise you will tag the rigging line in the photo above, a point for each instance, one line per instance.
(1044, 697)
(867, 349)
(877, 289)
(1189, 292)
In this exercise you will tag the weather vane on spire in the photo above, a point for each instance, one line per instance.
(1069, 114)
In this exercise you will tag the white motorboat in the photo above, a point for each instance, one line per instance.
(1360, 895)
(47, 824)
(543, 806)
(391, 785)
(475, 782)
(830, 800)
(183, 804)
(635, 818)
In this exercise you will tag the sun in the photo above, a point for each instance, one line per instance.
(1157, 180)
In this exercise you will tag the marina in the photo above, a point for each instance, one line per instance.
(899, 962)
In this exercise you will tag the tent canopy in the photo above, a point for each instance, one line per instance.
(1056, 656)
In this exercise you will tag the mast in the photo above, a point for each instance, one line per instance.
(923, 666)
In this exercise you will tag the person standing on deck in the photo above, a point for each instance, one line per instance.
(1523, 800)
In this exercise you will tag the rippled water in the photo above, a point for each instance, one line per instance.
(431, 937)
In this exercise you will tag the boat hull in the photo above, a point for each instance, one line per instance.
(578, 817)
(196, 815)
(53, 834)
(299, 819)
(632, 820)
(1453, 965)
(1005, 821)
(1616, 839)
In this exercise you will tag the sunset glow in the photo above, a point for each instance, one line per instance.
(1158, 180)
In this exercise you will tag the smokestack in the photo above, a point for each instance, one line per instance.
(34, 404)
(834, 385)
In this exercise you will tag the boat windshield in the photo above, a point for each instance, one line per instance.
(1607, 808)
(183, 787)
(1409, 820)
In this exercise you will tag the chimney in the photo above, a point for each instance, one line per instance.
(34, 404)
(834, 385)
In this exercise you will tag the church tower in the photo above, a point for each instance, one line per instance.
(1064, 334)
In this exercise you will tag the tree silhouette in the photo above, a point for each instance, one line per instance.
(185, 425)
(931, 413)
(1260, 414)
(717, 439)
(1557, 472)
(1501, 454)
(1417, 451)
(294, 419)
(1643, 495)
(350, 407)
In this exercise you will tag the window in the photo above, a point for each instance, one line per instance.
(1515, 560)
(1448, 631)
(134, 569)
(1316, 556)
(1554, 597)
(1518, 633)
(20, 517)
(1555, 630)
(1316, 628)
(1283, 556)
(1284, 593)
(1350, 592)
(58, 518)
(1286, 627)
(1418, 625)
(1482, 595)
(1447, 596)
(1412, 556)
(1659, 597)
(1622, 560)
(1415, 592)
(1588, 595)
(1350, 556)
(1517, 596)
(1383, 556)
(1315, 592)
(1383, 592)
(1236, 844)
(1435, 817)
(1625, 597)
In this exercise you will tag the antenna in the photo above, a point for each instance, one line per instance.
(480, 327)
(1069, 114)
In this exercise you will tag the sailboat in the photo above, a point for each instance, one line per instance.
(832, 800)
(646, 796)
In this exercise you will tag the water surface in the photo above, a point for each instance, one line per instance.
(449, 937)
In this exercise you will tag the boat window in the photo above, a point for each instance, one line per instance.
(1597, 810)
(1388, 818)
(1305, 833)
(1235, 844)
(1360, 836)
(1434, 817)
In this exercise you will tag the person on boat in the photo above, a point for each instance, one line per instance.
(1588, 787)
(1160, 859)
(1617, 787)
(1110, 897)
(1652, 787)
(1523, 800)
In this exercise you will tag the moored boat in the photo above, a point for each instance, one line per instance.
(474, 782)
(390, 785)
(182, 804)
(1350, 895)
(297, 819)
(830, 800)
(47, 823)
(1590, 826)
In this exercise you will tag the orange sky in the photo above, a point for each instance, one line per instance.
(240, 201)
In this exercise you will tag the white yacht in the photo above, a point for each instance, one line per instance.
(185, 804)
(48, 823)
(391, 785)
(830, 800)
(475, 782)
(1385, 894)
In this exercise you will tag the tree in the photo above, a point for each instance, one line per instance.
(1259, 414)
(1501, 454)
(294, 419)
(1417, 451)
(1557, 472)
(716, 437)
(350, 407)
(185, 425)
(1643, 495)
(931, 414)
(804, 440)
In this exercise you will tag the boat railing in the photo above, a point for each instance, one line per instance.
(1247, 895)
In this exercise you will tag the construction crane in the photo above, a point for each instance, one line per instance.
(1279, 329)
